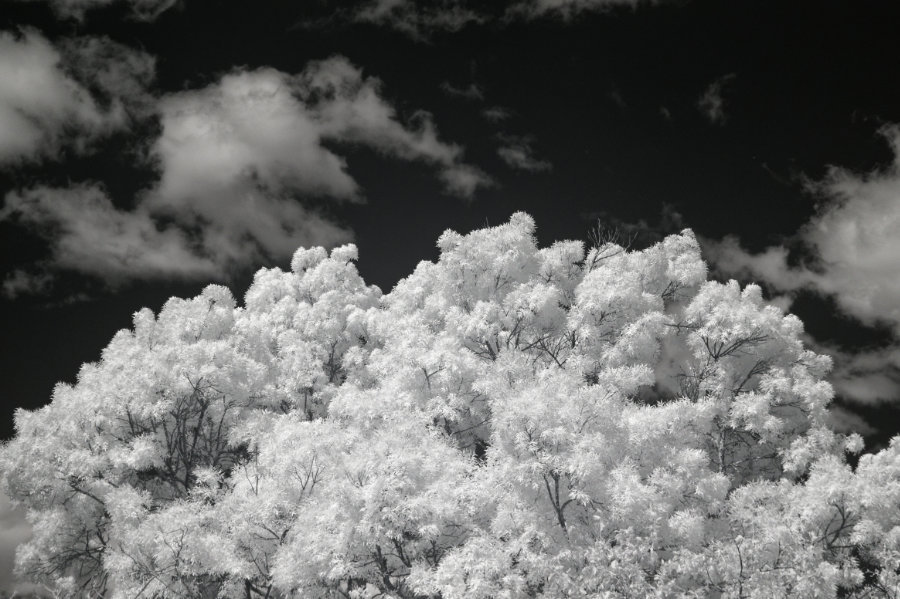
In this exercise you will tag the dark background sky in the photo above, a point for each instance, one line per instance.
(609, 98)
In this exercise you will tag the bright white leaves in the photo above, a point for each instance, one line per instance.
(159, 414)
(628, 290)
(508, 422)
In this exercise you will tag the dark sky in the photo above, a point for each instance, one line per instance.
(725, 117)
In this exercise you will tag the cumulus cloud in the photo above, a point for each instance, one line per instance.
(712, 101)
(516, 152)
(52, 99)
(236, 162)
(142, 10)
(268, 129)
(249, 129)
(853, 243)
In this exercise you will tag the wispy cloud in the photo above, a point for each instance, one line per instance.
(23, 283)
(419, 20)
(118, 76)
(422, 19)
(52, 100)
(640, 233)
(143, 10)
(349, 108)
(464, 180)
(870, 376)
(844, 421)
(517, 153)
(712, 101)
(568, 9)
(236, 160)
(853, 244)
(472, 92)
(88, 234)
(615, 95)
(496, 114)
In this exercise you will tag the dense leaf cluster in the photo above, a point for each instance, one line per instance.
(508, 422)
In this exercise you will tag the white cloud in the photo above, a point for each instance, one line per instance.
(857, 238)
(267, 129)
(234, 161)
(770, 265)
(143, 10)
(44, 108)
(201, 239)
(88, 234)
(869, 377)
(712, 101)
(854, 244)
(349, 108)
(854, 239)
(463, 180)
(248, 128)
(516, 152)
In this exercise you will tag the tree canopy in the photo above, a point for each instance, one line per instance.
(510, 421)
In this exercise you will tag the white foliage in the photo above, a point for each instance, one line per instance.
(508, 422)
